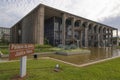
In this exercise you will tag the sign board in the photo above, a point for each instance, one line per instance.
(19, 50)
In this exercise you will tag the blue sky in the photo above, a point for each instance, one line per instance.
(103, 11)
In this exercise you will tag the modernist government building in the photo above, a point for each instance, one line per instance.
(59, 27)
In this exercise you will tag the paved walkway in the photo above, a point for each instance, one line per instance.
(3, 60)
(82, 65)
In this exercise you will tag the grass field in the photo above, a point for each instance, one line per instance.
(42, 48)
(4, 48)
(43, 70)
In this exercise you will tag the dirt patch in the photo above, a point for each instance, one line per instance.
(17, 77)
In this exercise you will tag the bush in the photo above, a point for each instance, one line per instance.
(43, 46)
(4, 44)
(55, 49)
(37, 50)
(4, 51)
(46, 41)
(60, 46)
(67, 47)
(73, 46)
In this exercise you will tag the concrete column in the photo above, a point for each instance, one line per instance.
(98, 36)
(112, 37)
(101, 36)
(105, 38)
(81, 24)
(93, 29)
(117, 37)
(34, 32)
(73, 22)
(81, 35)
(15, 35)
(109, 37)
(35, 27)
(81, 38)
(93, 35)
(40, 25)
(63, 28)
(86, 35)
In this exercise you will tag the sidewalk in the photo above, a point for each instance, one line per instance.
(3, 60)
(81, 65)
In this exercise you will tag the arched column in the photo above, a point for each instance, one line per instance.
(93, 35)
(90, 35)
(98, 36)
(63, 28)
(73, 22)
(69, 27)
(117, 37)
(104, 36)
(101, 36)
(111, 37)
(77, 31)
(86, 24)
(81, 34)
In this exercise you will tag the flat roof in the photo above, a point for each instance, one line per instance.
(5, 27)
(66, 13)
(79, 17)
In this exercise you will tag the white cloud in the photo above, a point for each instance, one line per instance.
(115, 33)
(96, 10)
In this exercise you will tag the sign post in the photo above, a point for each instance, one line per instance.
(21, 50)
(23, 62)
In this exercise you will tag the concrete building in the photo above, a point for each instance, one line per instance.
(59, 27)
(4, 34)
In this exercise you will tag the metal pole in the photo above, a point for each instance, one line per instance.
(23, 66)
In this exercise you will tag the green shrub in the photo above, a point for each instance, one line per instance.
(118, 47)
(4, 44)
(60, 46)
(5, 47)
(37, 50)
(55, 49)
(67, 47)
(73, 46)
(46, 41)
(42, 46)
(5, 51)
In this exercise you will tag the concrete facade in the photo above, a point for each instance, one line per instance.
(4, 34)
(59, 27)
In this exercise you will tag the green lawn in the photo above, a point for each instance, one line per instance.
(43, 70)
(4, 48)
(42, 48)
(118, 47)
